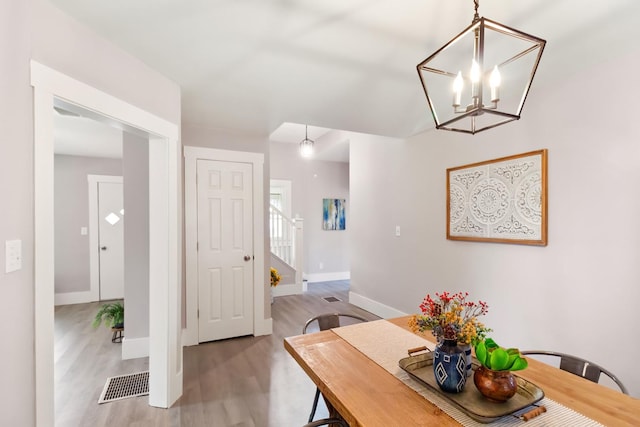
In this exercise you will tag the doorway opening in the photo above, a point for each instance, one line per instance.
(261, 324)
(51, 89)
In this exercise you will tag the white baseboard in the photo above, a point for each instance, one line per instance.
(264, 327)
(65, 298)
(288, 289)
(374, 307)
(327, 277)
(189, 337)
(133, 348)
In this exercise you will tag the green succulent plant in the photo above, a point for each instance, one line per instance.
(111, 314)
(492, 356)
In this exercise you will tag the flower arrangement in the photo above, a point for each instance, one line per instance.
(451, 317)
(275, 277)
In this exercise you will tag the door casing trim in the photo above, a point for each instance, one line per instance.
(261, 325)
(165, 363)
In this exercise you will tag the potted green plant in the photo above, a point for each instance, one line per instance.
(493, 378)
(112, 314)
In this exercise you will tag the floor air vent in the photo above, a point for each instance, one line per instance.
(330, 299)
(124, 386)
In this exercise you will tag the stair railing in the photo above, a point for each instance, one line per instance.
(286, 239)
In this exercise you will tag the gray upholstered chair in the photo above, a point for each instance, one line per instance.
(325, 322)
(579, 366)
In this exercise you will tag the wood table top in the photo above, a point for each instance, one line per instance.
(365, 394)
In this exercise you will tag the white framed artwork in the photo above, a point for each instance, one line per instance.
(502, 200)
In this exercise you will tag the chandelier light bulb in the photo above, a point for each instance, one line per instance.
(494, 82)
(458, 84)
(474, 74)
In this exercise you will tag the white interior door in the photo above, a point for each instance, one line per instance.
(225, 249)
(111, 240)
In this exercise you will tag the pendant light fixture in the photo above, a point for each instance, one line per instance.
(481, 78)
(306, 145)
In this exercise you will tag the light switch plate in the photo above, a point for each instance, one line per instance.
(13, 251)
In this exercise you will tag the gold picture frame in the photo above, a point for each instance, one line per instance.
(502, 200)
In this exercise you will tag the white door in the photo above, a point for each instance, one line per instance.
(225, 249)
(111, 240)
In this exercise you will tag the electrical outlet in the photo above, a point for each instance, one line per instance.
(321, 266)
(13, 252)
(397, 231)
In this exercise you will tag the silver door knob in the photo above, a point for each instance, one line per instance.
(104, 248)
(247, 258)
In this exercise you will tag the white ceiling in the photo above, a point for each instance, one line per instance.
(81, 136)
(253, 65)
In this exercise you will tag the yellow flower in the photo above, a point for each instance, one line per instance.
(413, 324)
(275, 277)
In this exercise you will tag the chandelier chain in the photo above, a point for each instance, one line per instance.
(476, 4)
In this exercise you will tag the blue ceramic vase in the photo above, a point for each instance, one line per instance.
(466, 349)
(450, 366)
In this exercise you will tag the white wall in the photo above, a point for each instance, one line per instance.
(16, 215)
(574, 295)
(34, 29)
(312, 181)
(135, 171)
(286, 272)
(71, 210)
(62, 43)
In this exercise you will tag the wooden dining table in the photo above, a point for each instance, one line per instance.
(365, 394)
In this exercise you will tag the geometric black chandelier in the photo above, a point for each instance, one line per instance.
(306, 145)
(481, 78)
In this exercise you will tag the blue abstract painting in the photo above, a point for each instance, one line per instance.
(333, 214)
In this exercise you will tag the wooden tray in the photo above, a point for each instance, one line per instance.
(470, 401)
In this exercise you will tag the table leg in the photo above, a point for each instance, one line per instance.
(333, 413)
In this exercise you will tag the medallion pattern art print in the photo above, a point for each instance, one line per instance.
(502, 200)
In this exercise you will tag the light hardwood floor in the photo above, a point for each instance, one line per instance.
(248, 381)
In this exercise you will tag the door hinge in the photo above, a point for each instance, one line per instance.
(197, 246)
(198, 313)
